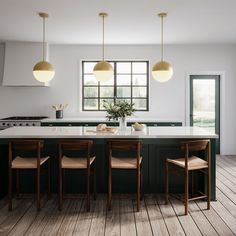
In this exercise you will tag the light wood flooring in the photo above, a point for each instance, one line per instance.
(154, 218)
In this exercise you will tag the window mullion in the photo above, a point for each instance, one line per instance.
(99, 108)
(115, 80)
(83, 85)
(131, 86)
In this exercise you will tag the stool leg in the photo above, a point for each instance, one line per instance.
(109, 188)
(63, 182)
(141, 184)
(167, 182)
(88, 189)
(49, 179)
(10, 189)
(94, 183)
(186, 193)
(138, 188)
(17, 183)
(192, 183)
(209, 188)
(38, 189)
(60, 190)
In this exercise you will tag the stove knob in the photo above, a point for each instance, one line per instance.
(3, 123)
(26, 124)
(20, 124)
(33, 124)
(8, 124)
(14, 124)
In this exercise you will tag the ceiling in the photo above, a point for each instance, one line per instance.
(129, 21)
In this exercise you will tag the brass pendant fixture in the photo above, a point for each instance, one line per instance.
(103, 71)
(43, 71)
(162, 71)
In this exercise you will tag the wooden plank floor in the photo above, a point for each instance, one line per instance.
(154, 218)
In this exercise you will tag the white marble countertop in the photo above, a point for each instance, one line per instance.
(101, 119)
(88, 132)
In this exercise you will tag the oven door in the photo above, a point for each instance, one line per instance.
(4, 127)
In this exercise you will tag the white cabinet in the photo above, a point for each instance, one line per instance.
(20, 58)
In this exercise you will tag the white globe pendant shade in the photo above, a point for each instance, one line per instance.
(43, 71)
(162, 71)
(103, 71)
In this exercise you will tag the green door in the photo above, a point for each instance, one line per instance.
(205, 103)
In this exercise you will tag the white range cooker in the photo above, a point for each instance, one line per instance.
(21, 121)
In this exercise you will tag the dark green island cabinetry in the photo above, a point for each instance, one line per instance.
(109, 123)
(158, 144)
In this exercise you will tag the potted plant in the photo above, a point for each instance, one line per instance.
(119, 110)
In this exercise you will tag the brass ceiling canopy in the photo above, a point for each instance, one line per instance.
(103, 71)
(43, 14)
(162, 14)
(43, 71)
(162, 71)
(103, 14)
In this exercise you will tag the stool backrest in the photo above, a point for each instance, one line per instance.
(196, 146)
(25, 146)
(75, 145)
(125, 145)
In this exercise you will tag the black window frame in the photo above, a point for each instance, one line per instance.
(115, 84)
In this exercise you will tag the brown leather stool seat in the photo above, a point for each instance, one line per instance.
(76, 162)
(27, 163)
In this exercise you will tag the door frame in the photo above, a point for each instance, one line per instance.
(221, 74)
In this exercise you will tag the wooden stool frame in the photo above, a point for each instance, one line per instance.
(27, 145)
(189, 147)
(125, 145)
(77, 145)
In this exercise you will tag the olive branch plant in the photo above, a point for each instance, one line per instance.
(118, 109)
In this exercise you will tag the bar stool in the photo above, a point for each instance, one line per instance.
(190, 163)
(132, 163)
(83, 161)
(18, 162)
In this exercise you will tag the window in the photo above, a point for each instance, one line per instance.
(130, 83)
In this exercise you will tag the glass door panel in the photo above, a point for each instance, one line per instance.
(205, 102)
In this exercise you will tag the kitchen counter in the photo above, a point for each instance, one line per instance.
(101, 119)
(158, 143)
(89, 132)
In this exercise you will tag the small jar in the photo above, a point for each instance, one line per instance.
(59, 114)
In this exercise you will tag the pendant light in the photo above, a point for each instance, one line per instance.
(162, 71)
(43, 71)
(103, 71)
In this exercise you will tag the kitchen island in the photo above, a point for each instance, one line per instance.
(93, 121)
(158, 144)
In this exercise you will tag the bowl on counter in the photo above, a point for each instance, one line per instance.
(138, 127)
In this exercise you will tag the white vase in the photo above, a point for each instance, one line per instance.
(122, 123)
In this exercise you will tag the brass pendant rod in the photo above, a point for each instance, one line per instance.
(162, 39)
(103, 36)
(44, 44)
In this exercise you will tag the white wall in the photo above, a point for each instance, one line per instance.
(167, 101)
